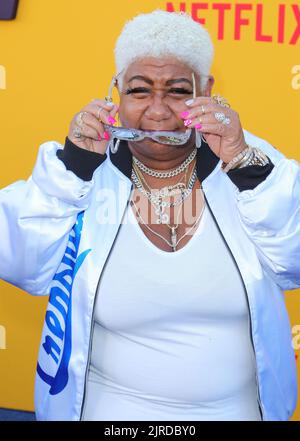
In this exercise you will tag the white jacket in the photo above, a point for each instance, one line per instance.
(57, 236)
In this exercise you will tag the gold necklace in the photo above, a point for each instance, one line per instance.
(174, 242)
(173, 228)
(168, 190)
(157, 201)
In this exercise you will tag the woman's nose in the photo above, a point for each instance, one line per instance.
(158, 109)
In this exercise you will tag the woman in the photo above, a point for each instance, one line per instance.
(165, 254)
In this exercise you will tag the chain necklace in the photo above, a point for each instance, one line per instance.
(167, 191)
(168, 174)
(174, 241)
(157, 200)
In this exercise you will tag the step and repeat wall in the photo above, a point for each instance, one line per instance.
(55, 56)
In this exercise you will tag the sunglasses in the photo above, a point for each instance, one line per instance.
(162, 137)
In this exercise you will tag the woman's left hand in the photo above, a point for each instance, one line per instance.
(225, 140)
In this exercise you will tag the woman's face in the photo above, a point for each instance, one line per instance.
(153, 95)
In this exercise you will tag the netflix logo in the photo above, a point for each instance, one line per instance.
(8, 9)
(247, 15)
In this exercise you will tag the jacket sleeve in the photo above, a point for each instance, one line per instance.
(36, 217)
(270, 215)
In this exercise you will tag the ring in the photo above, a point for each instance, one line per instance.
(79, 119)
(77, 132)
(202, 109)
(220, 100)
(220, 116)
(98, 113)
(226, 121)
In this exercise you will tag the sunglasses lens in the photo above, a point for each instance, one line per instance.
(125, 134)
(168, 140)
(180, 139)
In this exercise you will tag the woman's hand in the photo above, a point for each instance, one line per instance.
(225, 140)
(93, 136)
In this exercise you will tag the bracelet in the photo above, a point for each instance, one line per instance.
(246, 160)
(257, 158)
(249, 156)
(236, 160)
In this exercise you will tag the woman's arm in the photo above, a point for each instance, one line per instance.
(36, 217)
(270, 215)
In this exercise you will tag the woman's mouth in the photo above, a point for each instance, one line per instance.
(160, 129)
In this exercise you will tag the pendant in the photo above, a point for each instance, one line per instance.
(163, 218)
(173, 238)
(172, 190)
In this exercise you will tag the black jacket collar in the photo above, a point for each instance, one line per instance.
(206, 160)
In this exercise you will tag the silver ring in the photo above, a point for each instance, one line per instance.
(220, 116)
(202, 109)
(226, 121)
(98, 113)
(79, 119)
(77, 132)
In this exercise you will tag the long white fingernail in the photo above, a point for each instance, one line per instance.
(110, 103)
(189, 102)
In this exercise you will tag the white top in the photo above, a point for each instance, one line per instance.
(171, 338)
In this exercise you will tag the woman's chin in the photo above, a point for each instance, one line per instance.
(157, 152)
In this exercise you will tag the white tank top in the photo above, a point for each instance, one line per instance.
(171, 339)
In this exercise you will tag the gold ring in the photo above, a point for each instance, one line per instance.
(79, 119)
(221, 100)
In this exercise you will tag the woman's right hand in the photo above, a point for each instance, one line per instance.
(93, 135)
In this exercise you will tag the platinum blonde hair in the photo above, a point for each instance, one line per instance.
(162, 33)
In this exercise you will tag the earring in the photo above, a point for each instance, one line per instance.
(114, 147)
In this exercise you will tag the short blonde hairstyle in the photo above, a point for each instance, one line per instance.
(162, 33)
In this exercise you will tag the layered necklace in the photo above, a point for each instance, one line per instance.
(157, 197)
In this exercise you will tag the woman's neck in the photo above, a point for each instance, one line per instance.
(166, 160)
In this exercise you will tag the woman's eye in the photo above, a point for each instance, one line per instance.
(137, 90)
(143, 92)
(180, 91)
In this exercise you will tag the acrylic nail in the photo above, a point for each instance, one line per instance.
(184, 115)
(187, 122)
(189, 102)
(111, 120)
(110, 104)
(106, 136)
(198, 126)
